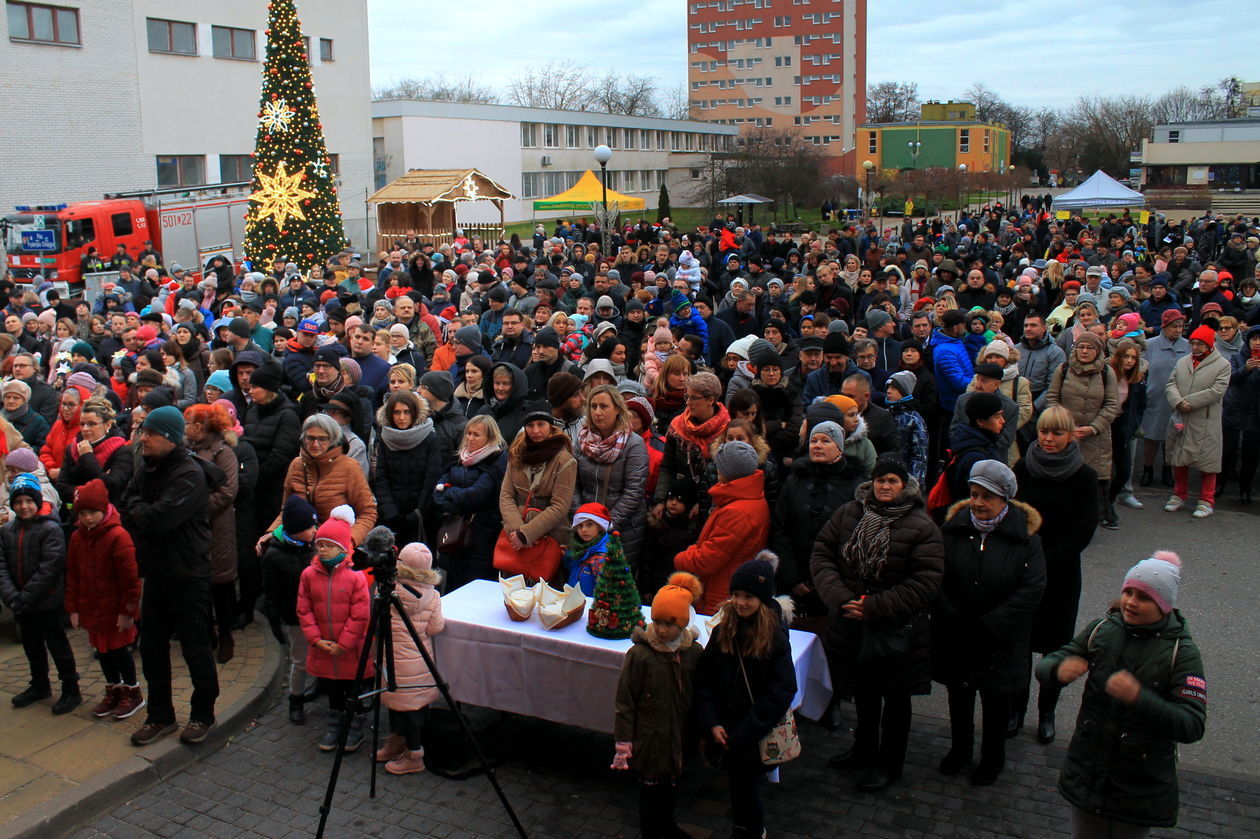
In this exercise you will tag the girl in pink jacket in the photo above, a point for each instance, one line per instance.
(402, 752)
(333, 609)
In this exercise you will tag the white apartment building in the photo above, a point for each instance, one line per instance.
(536, 153)
(123, 95)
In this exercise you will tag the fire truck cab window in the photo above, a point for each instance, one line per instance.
(80, 232)
(122, 224)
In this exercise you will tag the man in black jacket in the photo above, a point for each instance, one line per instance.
(545, 363)
(166, 511)
(44, 397)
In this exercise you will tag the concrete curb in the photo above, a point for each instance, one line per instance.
(59, 816)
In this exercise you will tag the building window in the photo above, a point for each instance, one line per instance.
(964, 140)
(631, 178)
(783, 21)
(43, 24)
(1174, 136)
(529, 135)
(550, 140)
(872, 142)
(572, 136)
(325, 49)
(592, 136)
(530, 183)
(334, 164)
(172, 36)
(986, 141)
(234, 168)
(181, 170)
(783, 61)
(614, 137)
(233, 43)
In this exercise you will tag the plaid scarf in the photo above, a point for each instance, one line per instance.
(602, 449)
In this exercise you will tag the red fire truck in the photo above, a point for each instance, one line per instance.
(187, 226)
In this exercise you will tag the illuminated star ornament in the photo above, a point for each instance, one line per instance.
(470, 188)
(277, 115)
(281, 196)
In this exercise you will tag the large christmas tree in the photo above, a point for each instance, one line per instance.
(293, 211)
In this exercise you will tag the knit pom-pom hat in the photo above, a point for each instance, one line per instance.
(337, 528)
(1159, 576)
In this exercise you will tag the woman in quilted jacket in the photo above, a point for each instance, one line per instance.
(333, 609)
(402, 752)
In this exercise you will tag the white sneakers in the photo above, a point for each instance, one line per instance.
(1128, 499)
(1201, 510)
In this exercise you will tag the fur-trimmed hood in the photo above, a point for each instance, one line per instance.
(1032, 518)
(641, 636)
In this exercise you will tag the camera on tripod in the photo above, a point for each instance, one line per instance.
(378, 553)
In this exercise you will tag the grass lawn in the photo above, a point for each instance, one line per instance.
(684, 218)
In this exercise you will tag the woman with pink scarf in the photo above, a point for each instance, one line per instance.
(612, 466)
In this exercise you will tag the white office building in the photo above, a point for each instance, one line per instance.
(536, 153)
(125, 95)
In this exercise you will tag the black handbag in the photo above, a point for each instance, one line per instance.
(882, 641)
(455, 534)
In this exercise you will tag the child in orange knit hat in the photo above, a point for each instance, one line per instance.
(652, 719)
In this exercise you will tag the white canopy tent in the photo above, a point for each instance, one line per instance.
(1099, 190)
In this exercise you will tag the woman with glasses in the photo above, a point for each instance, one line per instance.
(99, 450)
(690, 437)
(64, 430)
(326, 476)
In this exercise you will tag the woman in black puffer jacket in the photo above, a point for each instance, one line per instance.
(408, 462)
(878, 565)
(994, 578)
(817, 485)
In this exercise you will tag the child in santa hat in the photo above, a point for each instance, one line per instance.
(1145, 693)
(589, 549)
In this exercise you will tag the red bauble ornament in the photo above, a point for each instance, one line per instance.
(308, 85)
(275, 96)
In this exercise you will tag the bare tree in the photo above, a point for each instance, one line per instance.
(777, 163)
(1181, 104)
(674, 103)
(988, 103)
(630, 95)
(892, 102)
(1107, 129)
(438, 88)
(558, 85)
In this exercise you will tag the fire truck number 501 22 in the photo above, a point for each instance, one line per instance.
(177, 219)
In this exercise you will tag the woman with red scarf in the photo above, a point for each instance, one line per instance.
(690, 438)
(98, 450)
(1195, 391)
(64, 430)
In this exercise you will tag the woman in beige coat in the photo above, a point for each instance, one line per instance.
(1195, 391)
(1087, 387)
(538, 487)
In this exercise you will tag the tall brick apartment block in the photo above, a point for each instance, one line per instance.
(796, 64)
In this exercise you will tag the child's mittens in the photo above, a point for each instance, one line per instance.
(621, 759)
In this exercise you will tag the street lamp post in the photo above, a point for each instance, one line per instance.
(962, 169)
(603, 154)
(914, 147)
(870, 168)
(1011, 197)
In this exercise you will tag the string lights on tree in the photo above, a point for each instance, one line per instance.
(293, 214)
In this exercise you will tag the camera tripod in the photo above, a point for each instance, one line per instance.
(380, 637)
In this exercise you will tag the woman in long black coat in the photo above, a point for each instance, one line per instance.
(1054, 478)
(408, 463)
(877, 565)
(994, 577)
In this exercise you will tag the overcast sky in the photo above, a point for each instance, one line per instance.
(1031, 54)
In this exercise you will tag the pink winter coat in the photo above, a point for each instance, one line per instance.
(415, 684)
(333, 607)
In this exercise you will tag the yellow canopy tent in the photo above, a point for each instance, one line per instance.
(588, 190)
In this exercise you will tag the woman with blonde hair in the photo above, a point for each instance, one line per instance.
(612, 465)
(668, 392)
(467, 495)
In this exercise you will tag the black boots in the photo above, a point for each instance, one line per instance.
(1045, 728)
(69, 700)
(33, 693)
(1014, 723)
(297, 711)
(1148, 476)
(1166, 477)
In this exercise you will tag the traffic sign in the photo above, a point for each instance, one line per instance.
(39, 240)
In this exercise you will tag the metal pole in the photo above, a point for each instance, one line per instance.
(603, 182)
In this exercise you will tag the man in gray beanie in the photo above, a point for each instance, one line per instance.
(467, 343)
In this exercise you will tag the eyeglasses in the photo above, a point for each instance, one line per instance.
(316, 439)
(692, 397)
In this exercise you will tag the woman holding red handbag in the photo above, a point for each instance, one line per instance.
(535, 498)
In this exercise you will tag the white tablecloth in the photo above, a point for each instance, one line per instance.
(566, 676)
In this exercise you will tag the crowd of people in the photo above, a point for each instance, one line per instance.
(909, 435)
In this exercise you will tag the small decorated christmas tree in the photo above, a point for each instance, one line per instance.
(615, 611)
(293, 210)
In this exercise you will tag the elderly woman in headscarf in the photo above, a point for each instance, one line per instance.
(17, 410)
(877, 564)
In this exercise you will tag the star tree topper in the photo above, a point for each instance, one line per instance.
(281, 196)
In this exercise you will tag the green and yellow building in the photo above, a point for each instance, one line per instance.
(947, 134)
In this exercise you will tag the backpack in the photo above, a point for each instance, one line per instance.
(941, 496)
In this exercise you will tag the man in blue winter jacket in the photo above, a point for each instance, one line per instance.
(951, 361)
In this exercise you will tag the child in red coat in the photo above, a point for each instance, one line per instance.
(333, 608)
(103, 596)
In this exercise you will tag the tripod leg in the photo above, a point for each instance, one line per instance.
(380, 612)
(384, 652)
(445, 690)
